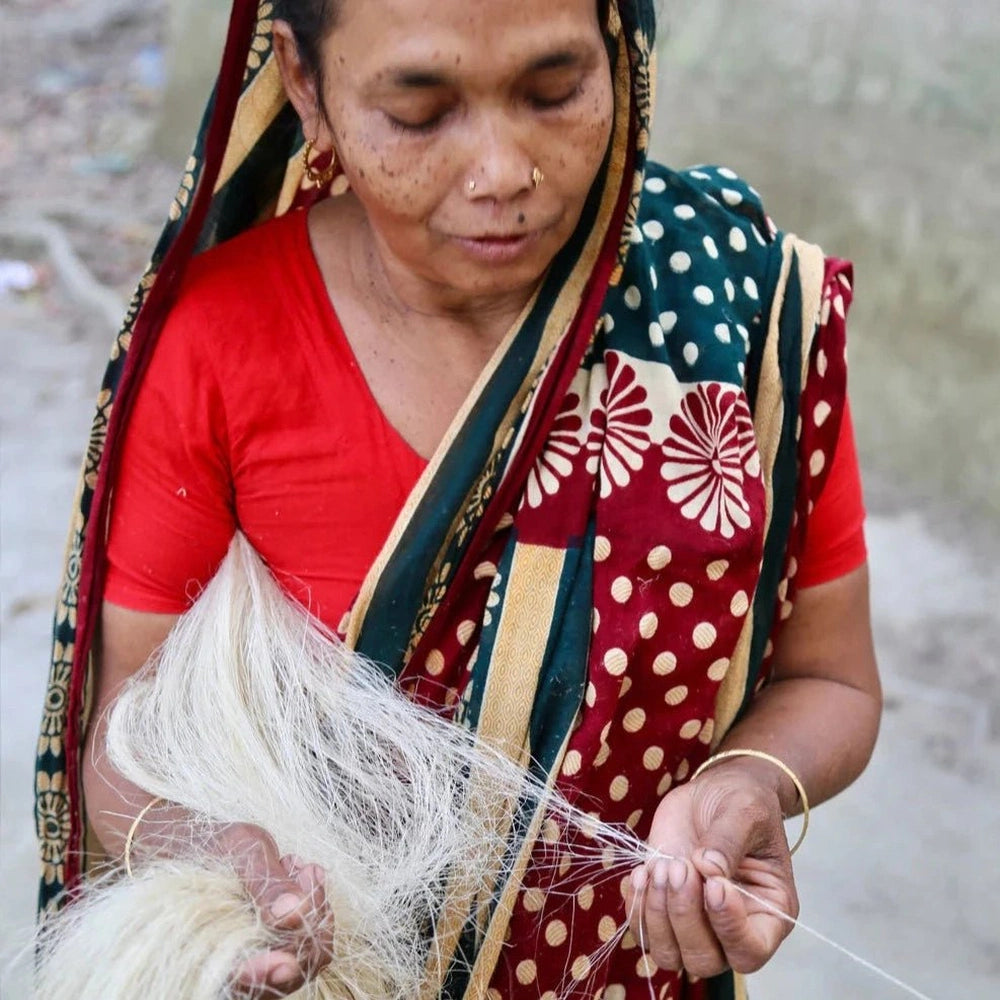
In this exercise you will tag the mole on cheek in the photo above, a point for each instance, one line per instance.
(520, 218)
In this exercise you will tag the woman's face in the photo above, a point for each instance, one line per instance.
(442, 110)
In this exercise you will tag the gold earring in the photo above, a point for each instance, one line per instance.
(319, 178)
(537, 177)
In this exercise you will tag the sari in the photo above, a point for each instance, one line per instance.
(593, 566)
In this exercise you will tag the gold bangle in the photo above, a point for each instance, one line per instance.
(134, 827)
(761, 755)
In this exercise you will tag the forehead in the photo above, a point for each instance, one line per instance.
(376, 35)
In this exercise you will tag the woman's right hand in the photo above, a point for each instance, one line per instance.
(291, 900)
(289, 893)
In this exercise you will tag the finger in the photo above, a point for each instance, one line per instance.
(279, 897)
(700, 951)
(270, 974)
(748, 940)
(317, 944)
(661, 942)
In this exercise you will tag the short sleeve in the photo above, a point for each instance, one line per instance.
(835, 539)
(172, 506)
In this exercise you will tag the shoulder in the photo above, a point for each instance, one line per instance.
(709, 200)
(240, 293)
(248, 271)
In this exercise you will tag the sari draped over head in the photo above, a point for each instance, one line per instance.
(592, 568)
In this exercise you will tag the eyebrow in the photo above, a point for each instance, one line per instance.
(420, 79)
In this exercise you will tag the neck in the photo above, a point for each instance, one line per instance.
(405, 296)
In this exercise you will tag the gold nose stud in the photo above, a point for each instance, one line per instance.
(537, 177)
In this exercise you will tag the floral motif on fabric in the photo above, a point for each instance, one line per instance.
(708, 454)
(53, 819)
(556, 462)
(620, 427)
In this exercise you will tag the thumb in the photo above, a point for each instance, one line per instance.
(739, 828)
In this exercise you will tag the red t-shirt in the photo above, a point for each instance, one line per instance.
(254, 414)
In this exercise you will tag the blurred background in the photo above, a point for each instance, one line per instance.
(871, 127)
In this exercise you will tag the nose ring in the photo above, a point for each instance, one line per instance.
(537, 177)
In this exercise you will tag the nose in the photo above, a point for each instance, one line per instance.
(500, 166)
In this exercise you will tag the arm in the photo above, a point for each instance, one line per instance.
(128, 639)
(288, 893)
(820, 715)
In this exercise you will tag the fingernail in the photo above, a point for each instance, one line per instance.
(718, 859)
(639, 876)
(283, 974)
(284, 905)
(661, 874)
(677, 875)
(715, 893)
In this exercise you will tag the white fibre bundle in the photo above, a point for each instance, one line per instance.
(179, 928)
(252, 712)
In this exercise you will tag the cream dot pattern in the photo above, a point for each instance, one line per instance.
(572, 763)
(665, 663)
(555, 933)
(658, 558)
(676, 695)
(718, 670)
(704, 635)
(526, 972)
(648, 624)
(680, 262)
(606, 930)
(740, 604)
(616, 661)
(715, 571)
(634, 720)
(668, 320)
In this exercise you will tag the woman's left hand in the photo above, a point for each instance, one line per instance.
(726, 825)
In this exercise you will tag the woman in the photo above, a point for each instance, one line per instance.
(536, 424)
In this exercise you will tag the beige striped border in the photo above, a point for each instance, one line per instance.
(769, 413)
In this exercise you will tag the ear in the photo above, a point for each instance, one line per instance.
(300, 86)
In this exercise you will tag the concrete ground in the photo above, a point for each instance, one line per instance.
(901, 868)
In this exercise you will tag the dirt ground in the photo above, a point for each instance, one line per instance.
(901, 868)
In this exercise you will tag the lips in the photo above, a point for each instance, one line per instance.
(498, 247)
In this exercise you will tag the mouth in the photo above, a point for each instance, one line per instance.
(498, 247)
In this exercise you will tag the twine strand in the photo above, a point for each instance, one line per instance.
(819, 936)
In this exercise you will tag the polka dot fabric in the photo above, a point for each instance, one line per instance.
(656, 437)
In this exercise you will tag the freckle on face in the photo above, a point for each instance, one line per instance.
(414, 186)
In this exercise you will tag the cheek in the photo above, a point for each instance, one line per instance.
(386, 176)
(585, 140)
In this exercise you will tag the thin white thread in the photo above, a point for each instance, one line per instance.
(863, 962)
(818, 935)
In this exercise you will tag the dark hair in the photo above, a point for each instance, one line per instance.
(312, 20)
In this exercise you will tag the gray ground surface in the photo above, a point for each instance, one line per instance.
(902, 868)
